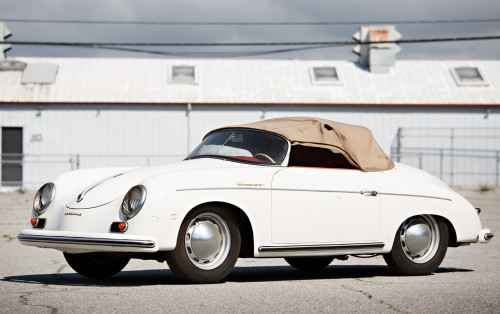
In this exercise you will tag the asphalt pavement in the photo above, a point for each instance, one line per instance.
(39, 280)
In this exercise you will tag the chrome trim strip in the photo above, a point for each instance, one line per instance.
(265, 189)
(415, 195)
(344, 246)
(87, 241)
(307, 190)
(81, 195)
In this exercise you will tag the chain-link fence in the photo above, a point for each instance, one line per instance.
(458, 156)
(32, 170)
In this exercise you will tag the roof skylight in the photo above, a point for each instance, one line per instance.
(183, 74)
(325, 76)
(468, 76)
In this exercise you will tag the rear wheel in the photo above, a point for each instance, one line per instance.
(208, 246)
(419, 246)
(309, 263)
(95, 265)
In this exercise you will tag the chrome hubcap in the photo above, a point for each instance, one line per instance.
(207, 241)
(419, 238)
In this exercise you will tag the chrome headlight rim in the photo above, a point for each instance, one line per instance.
(132, 204)
(43, 200)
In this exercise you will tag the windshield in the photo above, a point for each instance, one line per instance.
(243, 145)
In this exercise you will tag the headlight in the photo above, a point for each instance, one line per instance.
(133, 201)
(43, 198)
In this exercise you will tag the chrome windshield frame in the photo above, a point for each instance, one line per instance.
(284, 163)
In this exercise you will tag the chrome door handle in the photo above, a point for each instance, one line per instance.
(369, 193)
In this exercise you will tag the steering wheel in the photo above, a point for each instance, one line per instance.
(265, 156)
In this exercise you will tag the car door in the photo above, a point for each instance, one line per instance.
(320, 205)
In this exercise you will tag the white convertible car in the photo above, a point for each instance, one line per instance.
(308, 190)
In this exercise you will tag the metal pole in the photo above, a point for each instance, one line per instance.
(398, 145)
(441, 164)
(497, 168)
(452, 157)
(78, 161)
(188, 116)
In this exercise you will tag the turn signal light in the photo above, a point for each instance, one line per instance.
(33, 221)
(122, 226)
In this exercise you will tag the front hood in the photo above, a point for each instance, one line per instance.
(116, 186)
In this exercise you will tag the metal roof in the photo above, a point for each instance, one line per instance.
(279, 82)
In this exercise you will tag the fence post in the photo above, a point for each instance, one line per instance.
(398, 145)
(420, 163)
(452, 155)
(497, 172)
(71, 161)
(78, 161)
(441, 164)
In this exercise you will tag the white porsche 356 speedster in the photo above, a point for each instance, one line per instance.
(309, 190)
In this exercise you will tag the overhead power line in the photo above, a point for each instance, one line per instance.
(291, 46)
(265, 23)
(214, 44)
(228, 54)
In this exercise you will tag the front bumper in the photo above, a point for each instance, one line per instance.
(76, 242)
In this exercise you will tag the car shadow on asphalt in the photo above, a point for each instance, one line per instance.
(239, 274)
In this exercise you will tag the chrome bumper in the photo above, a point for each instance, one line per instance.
(71, 241)
(86, 241)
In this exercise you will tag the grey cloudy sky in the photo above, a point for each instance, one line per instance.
(250, 11)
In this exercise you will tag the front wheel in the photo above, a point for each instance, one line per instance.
(94, 265)
(309, 263)
(419, 246)
(208, 246)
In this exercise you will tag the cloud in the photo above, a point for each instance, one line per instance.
(250, 10)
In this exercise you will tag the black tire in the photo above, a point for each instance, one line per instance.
(403, 261)
(219, 251)
(95, 265)
(309, 263)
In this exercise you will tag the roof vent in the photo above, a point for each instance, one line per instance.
(378, 57)
(468, 76)
(183, 74)
(12, 65)
(325, 76)
(39, 73)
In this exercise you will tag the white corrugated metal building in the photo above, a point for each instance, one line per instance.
(76, 113)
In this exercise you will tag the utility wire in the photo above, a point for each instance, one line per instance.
(231, 54)
(225, 44)
(206, 23)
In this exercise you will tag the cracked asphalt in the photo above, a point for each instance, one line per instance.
(39, 280)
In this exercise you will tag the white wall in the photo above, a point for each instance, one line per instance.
(115, 135)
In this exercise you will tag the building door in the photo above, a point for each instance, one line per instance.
(12, 156)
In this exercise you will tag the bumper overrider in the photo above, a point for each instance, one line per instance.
(485, 235)
(77, 241)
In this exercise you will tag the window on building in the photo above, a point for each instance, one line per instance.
(468, 76)
(183, 74)
(325, 76)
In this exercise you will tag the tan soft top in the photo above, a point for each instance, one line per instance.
(356, 143)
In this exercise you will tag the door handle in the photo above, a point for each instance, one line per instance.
(369, 193)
